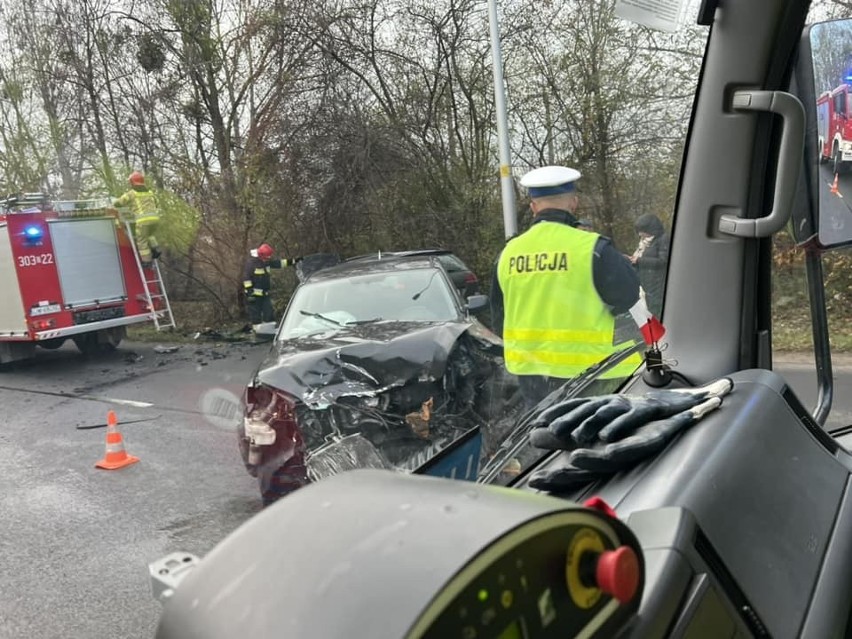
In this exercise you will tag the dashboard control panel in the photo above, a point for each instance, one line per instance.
(558, 576)
(377, 554)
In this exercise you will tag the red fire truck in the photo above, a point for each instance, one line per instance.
(70, 270)
(834, 127)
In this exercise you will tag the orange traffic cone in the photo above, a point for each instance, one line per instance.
(834, 187)
(115, 457)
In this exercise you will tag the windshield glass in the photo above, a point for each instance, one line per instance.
(419, 295)
(202, 157)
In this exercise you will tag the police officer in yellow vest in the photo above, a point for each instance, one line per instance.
(556, 291)
(146, 215)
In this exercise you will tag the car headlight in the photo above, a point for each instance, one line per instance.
(258, 432)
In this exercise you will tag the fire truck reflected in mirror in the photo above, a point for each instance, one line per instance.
(831, 46)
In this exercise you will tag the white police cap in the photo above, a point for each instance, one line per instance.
(550, 180)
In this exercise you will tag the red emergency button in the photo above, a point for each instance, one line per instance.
(617, 573)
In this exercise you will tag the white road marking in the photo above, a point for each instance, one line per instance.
(838, 194)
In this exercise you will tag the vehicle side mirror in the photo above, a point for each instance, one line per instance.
(476, 303)
(823, 82)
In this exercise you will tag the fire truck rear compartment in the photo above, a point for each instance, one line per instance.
(88, 262)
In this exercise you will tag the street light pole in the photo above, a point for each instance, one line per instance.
(507, 185)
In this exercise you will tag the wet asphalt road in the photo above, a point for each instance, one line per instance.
(75, 541)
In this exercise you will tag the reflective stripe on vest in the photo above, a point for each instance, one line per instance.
(144, 206)
(555, 323)
(550, 360)
(261, 271)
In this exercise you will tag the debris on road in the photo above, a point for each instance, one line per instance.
(241, 334)
(164, 350)
(104, 425)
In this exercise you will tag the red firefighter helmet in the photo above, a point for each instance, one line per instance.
(264, 251)
(136, 179)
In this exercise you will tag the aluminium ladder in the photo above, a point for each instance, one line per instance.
(163, 317)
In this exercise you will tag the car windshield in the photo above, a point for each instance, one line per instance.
(414, 295)
(202, 157)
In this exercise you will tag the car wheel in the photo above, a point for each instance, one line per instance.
(87, 343)
(289, 477)
(97, 342)
(52, 344)
(110, 338)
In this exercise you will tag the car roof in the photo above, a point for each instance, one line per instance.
(366, 264)
(410, 253)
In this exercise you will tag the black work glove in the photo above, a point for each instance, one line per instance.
(609, 433)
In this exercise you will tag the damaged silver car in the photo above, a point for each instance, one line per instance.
(377, 363)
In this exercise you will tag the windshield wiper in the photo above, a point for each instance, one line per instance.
(515, 442)
(322, 317)
(366, 321)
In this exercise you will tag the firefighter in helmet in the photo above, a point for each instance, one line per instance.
(256, 283)
(143, 204)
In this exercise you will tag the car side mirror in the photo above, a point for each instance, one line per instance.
(476, 303)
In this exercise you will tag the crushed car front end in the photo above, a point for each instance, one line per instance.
(390, 395)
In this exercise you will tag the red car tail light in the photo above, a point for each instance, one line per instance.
(270, 419)
(470, 278)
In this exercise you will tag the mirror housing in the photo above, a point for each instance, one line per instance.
(822, 80)
(476, 303)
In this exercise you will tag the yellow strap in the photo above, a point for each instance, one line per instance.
(557, 335)
(566, 359)
(147, 219)
(544, 357)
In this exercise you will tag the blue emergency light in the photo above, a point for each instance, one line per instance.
(33, 235)
(33, 232)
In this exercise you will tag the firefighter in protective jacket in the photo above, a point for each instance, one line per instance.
(256, 282)
(146, 216)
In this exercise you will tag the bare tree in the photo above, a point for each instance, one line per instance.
(338, 125)
(604, 95)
